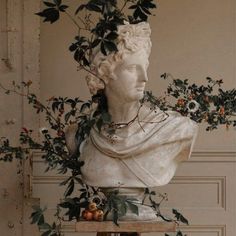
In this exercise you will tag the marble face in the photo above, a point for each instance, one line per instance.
(129, 77)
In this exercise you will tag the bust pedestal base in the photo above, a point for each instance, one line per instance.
(145, 213)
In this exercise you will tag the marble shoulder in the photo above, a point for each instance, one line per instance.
(173, 118)
(184, 122)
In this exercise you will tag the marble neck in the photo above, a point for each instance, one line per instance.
(123, 112)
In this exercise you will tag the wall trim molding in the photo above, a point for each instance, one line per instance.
(197, 156)
(218, 181)
(213, 156)
(220, 230)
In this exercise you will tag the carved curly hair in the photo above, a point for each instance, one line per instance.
(131, 38)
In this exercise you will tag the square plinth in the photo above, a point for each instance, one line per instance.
(126, 226)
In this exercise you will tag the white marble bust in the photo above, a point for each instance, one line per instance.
(146, 152)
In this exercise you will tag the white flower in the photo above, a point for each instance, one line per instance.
(193, 106)
(96, 199)
(42, 130)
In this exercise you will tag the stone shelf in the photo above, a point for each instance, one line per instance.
(125, 226)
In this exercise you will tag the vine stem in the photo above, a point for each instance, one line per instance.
(76, 23)
(125, 3)
(13, 91)
(27, 96)
(73, 20)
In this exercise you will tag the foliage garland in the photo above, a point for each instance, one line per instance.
(197, 102)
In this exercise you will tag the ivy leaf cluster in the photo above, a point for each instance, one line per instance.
(208, 103)
(52, 13)
(99, 33)
(73, 206)
(101, 6)
(141, 10)
(8, 152)
(48, 229)
(118, 206)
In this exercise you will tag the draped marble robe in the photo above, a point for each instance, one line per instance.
(144, 154)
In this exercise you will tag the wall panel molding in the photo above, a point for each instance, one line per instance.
(218, 181)
(198, 156)
(218, 230)
(218, 184)
(9, 34)
(212, 156)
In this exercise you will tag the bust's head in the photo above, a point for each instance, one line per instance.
(125, 69)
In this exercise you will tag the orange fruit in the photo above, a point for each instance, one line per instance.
(87, 215)
(98, 215)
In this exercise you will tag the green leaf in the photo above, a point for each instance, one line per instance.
(79, 180)
(115, 217)
(47, 233)
(93, 7)
(138, 13)
(106, 117)
(80, 8)
(70, 188)
(50, 14)
(180, 217)
(67, 116)
(146, 11)
(133, 7)
(179, 233)
(54, 234)
(65, 181)
(110, 46)
(122, 208)
(103, 50)
(153, 193)
(41, 220)
(85, 61)
(79, 54)
(99, 124)
(95, 43)
(112, 36)
(63, 8)
(133, 207)
(45, 226)
(148, 4)
(36, 217)
(65, 205)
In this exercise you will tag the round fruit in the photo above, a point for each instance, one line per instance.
(98, 215)
(87, 215)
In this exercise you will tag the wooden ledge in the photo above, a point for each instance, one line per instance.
(125, 226)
